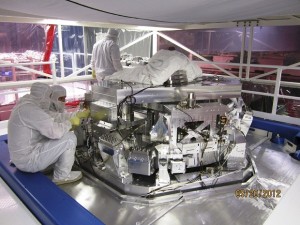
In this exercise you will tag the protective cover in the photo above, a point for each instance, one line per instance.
(159, 69)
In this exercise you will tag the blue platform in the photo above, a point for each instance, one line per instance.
(289, 131)
(49, 204)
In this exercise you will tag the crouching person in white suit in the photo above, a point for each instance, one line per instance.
(36, 140)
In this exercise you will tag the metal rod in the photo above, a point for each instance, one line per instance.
(242, 51)
(136, 41)
(192, 52)
(61, 53)
(276, 92)
(249, 51)
(155, 42)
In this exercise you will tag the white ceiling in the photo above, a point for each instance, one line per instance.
(156, 13)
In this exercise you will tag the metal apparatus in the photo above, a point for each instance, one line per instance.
(153, 141)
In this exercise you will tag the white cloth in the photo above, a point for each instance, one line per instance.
(106, 58)
(35, 140)
(41, 93)
(159, 69)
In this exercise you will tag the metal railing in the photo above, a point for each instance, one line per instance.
(258, 79)
(277, 84)
(12, 89)
(255, 79)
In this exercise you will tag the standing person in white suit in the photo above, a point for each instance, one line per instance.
(106, 58)
(36, 140)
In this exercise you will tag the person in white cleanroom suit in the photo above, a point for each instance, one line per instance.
(36, 140)
(58, 112)
(106, 56)
(57, 105)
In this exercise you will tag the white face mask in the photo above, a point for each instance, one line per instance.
(60, 106)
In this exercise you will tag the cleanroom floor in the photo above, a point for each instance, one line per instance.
(12, 209)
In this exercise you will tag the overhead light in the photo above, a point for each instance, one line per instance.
(156, 28)
(59, 22)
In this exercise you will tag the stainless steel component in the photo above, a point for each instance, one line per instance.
(140, 162)
(178, 78)
(108, 110)
(149, 140)
(115, 92)
(218, 205)
(177, 166)
(191, 100)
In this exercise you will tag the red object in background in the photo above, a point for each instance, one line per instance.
(49, 44)
(73, 103)
(5, 111)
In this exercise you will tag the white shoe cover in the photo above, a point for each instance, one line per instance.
(73, 176)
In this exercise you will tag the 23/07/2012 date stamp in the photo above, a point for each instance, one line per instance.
(258, 193)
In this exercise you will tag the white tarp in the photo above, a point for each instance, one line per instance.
(159, 69)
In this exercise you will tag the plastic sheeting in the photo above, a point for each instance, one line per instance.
(142, 48)
(19, 37)
(73, 50)
(22, 43)
(271, 46)
(76, 56)
(229, 40)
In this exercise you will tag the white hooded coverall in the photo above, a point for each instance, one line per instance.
(106, 55)
(57, 92)
(57, 108)
(35, 140)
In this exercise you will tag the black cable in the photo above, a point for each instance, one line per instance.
(116, 14)
(123, 138)
(86, 160)
(130, 97)
(122, 81)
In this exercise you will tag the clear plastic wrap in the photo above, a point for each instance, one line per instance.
(19, 37)
(73, 50)
(159, 130)
(142, 48)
